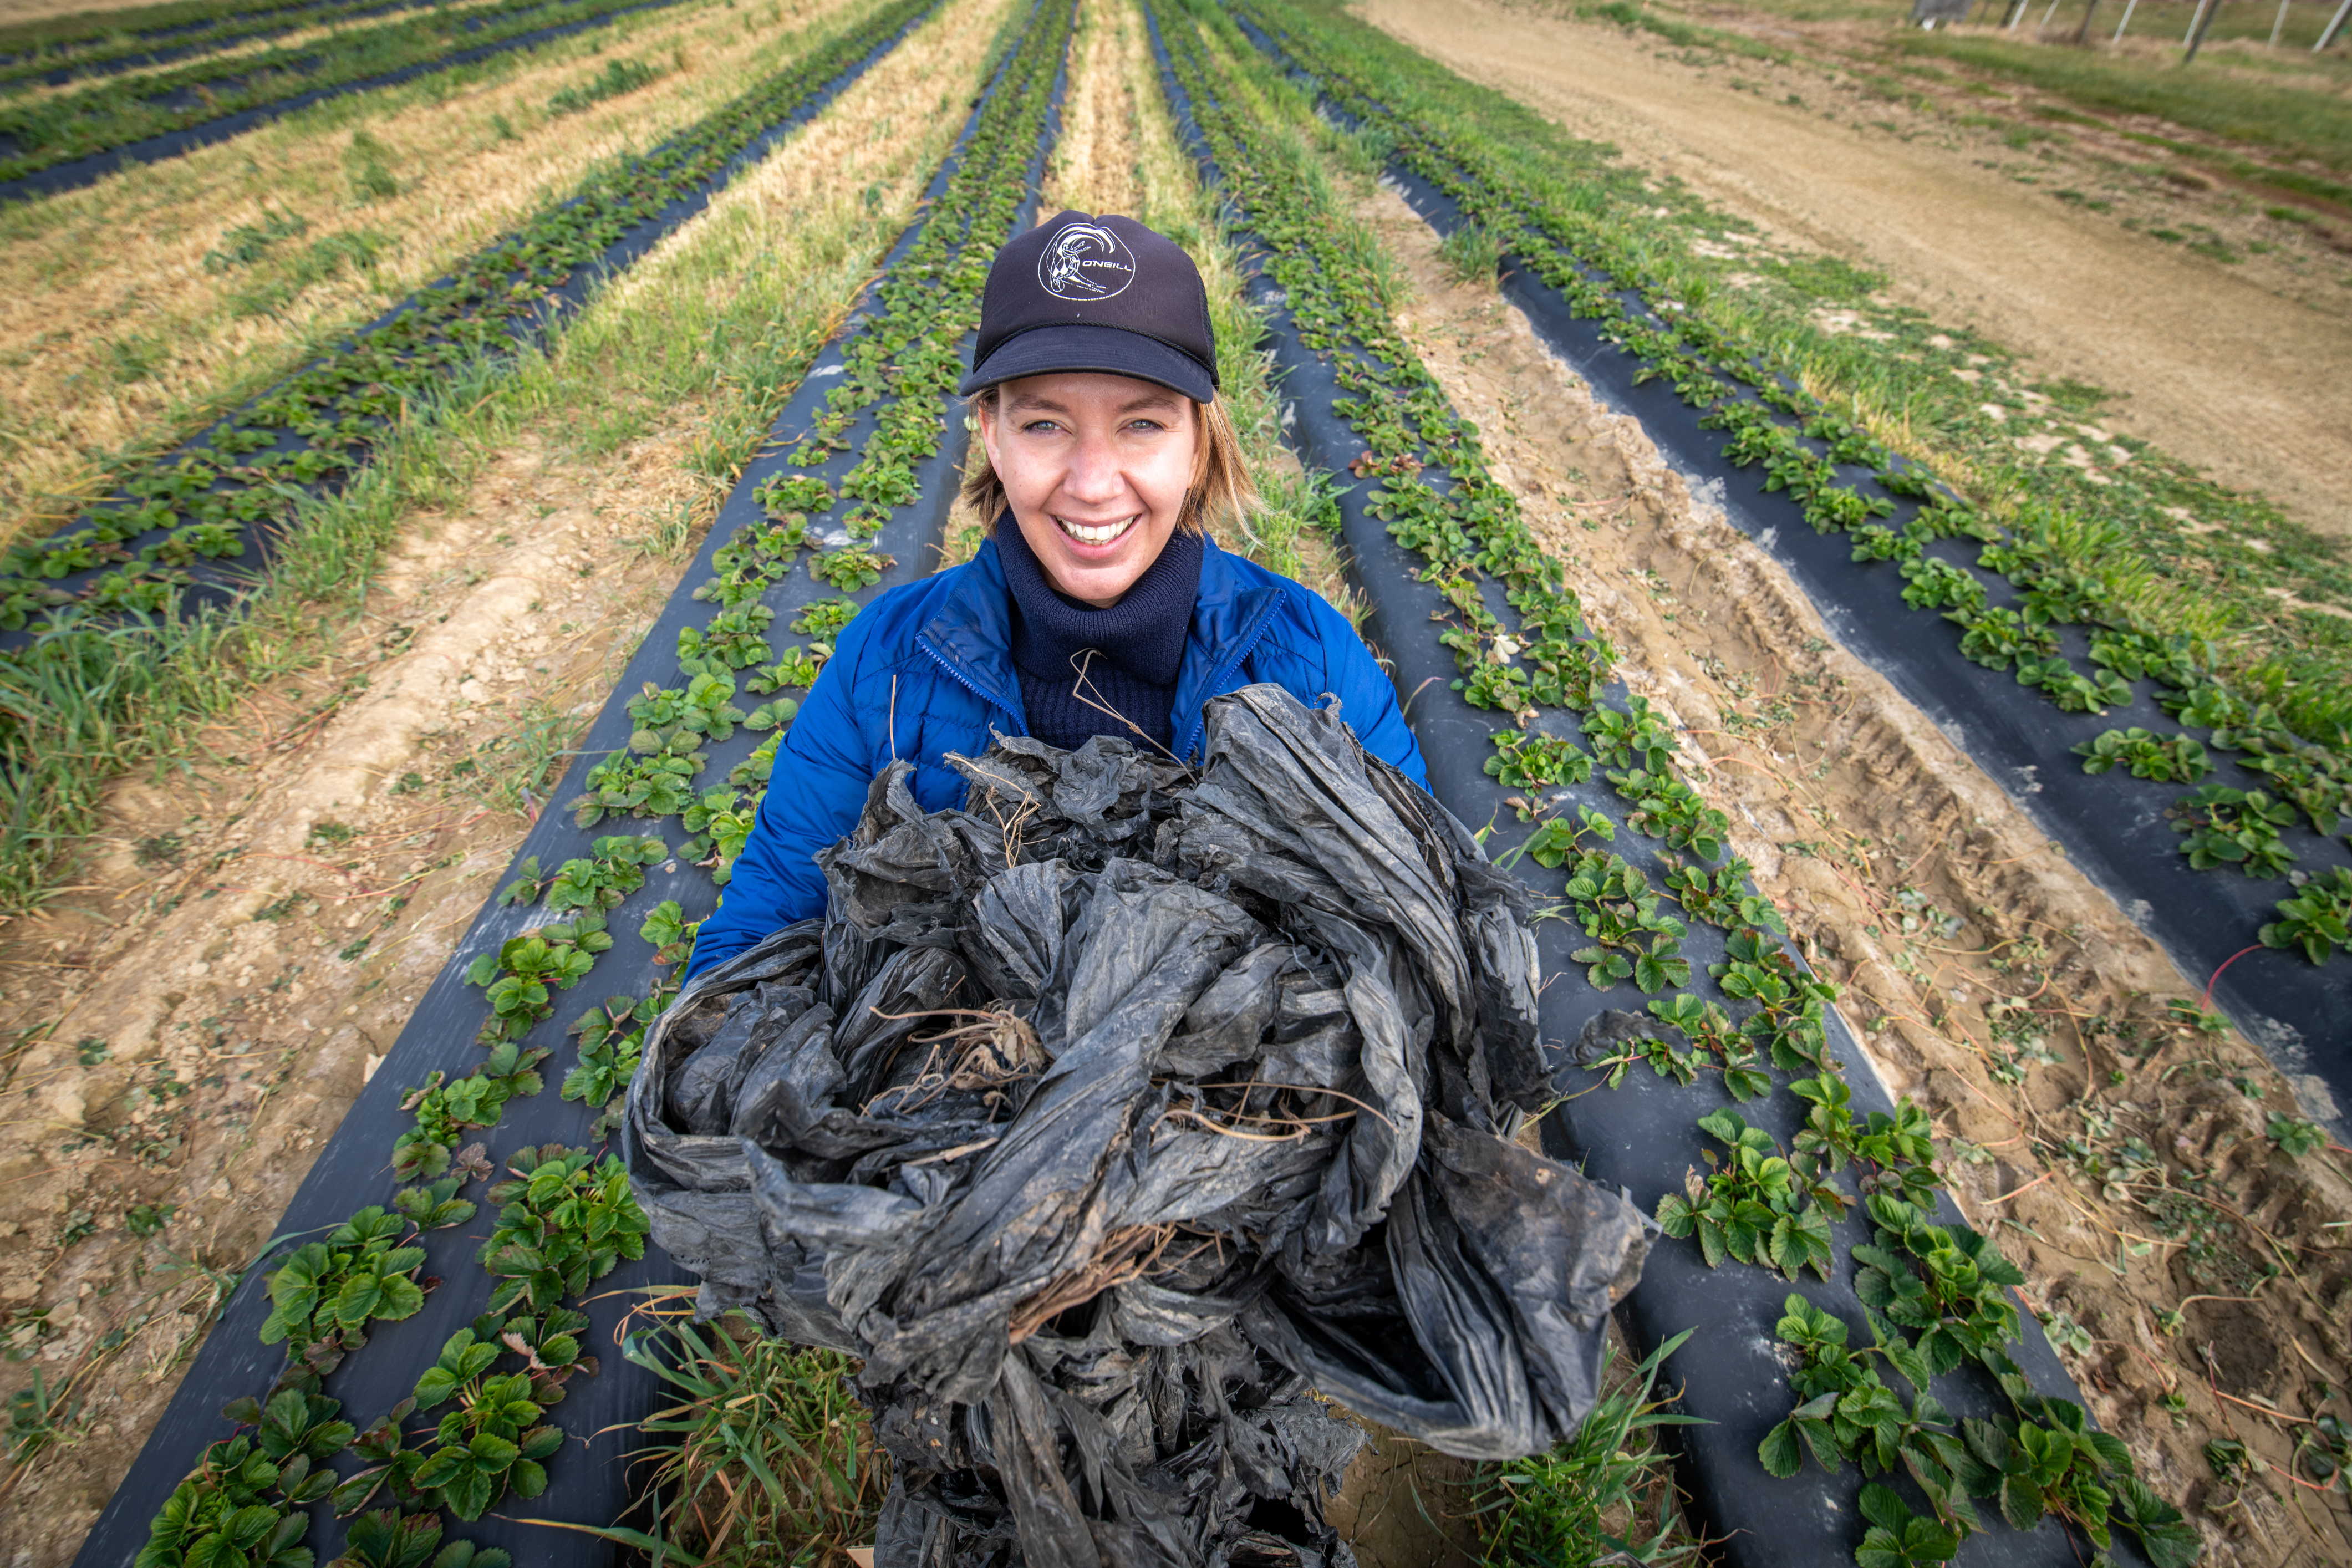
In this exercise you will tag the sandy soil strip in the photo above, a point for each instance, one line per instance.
(2217, 371)
(1988, 978)
(252, 934)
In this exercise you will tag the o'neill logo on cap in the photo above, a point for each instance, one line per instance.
(1085, 261)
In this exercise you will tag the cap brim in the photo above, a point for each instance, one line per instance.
(1112, 350)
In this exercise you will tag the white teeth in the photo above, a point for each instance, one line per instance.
(1102, 535)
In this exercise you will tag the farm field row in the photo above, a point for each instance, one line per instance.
(253, 255)
(52, 140)
(450, 693)
(1906, 908)
(2275, 677)
(54, 59)
(1976, 1009)
(866, 422)
(86, 683)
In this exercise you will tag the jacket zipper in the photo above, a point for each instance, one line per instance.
(1217, 680)
(969, 685)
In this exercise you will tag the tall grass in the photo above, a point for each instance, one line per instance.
(1588, 1499)
(769, 1459)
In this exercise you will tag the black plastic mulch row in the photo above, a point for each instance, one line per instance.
(73, 173)
(2113, 827)
(499, 321)
(1642, 1135)
(592, 1480)
(148, 48)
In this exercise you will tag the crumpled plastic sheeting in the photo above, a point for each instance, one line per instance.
(1105, 1116)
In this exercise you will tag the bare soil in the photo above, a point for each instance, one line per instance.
(1987, 978)
(192, 1024)
(2241, 376)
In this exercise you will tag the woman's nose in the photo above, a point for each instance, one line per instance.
(1093, 473)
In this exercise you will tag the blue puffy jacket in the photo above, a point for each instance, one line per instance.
(927, 669)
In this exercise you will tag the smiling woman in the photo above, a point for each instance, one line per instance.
(1100, 606)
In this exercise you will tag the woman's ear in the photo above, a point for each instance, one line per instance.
(984, 407)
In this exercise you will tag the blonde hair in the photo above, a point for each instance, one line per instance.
(1220, 490)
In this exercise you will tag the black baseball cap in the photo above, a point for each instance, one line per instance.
(1079, 293)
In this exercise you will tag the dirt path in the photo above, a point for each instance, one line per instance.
(1987, 978)
(2220, 373)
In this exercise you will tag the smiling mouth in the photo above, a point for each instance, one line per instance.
(1094, 533)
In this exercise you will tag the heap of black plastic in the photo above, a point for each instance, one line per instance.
(1105, 1116)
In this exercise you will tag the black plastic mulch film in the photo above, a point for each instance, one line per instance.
(2114, 827)
(197, 525)
(1114, 1115)
(1734, 1372)
(987, 187)
(200, 127)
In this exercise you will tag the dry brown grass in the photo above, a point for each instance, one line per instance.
(114, 336)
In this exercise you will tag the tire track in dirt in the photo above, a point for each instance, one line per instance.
(2214, 370)
(1987, 978)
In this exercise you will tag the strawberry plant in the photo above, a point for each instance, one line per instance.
(1664, 807)
(2225, 827)
(613, 872)
(1705, 1025)
(1899, 1149)
(241, 1506)
(2168, 759)
(1787, 1023)
(611, 1038)
(325, 1293)
(735, 639)
(436, 1206)
(676, 720)
(2292, 1135)
(629, 785)
(1997, 638)
(848, 569)
(2069, 688)
(790, 498)
(1633, 938)
(1722, 897)
(670, 931)
(1638, 739)
(1931, 582)
(444, 1112)
(491, 1443)
(797, 669)
(824, 618)
(566, 1222)
(548, 1343)
(516, 977)
(1953, 1297)
(2318, 920)
(722, 824)
(1754, 1207)
(386, 1537)
(1537, 761)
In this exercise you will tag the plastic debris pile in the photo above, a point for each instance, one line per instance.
(1107, 1116)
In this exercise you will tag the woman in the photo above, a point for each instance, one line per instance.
(1099, 606)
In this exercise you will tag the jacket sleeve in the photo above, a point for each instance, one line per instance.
(815, 792)
(1368, 699)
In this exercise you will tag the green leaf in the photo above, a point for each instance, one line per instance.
(1779, 1451)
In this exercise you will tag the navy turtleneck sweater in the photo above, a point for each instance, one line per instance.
(1139, 643)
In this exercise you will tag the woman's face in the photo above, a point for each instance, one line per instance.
(1096, 467)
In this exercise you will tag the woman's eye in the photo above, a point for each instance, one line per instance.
(1041, 427)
